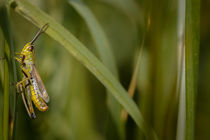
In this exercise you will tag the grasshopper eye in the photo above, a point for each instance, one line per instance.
(31, 48)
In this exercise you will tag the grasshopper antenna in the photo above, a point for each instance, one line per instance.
(42, 30)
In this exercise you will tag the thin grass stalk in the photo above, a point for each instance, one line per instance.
(132, 85)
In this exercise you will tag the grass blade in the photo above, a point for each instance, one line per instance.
(9, 76)
(6, 98)
(10, 64)
(192, 54)
(181, 94)
(105, 53)
(1, 81)
(81, 53)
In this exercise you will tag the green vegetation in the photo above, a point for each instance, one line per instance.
(101, 59)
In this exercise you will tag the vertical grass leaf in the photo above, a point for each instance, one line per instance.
(9, 73)
(181, 120)
(192, 30)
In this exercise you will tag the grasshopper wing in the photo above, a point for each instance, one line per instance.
(43, 92)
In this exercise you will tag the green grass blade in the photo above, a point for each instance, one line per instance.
(192, 30)
(6, 97)
(81, 53)
(1, 82)
(181, 94)
(10, 62)
(105, 53)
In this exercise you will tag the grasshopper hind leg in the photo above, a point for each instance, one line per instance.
(29, 100)
(29, 111)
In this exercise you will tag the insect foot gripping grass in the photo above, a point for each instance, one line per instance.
(31, 86)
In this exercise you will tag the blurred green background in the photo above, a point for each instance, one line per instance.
(78, 108)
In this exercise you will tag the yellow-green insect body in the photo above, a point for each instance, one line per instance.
(31, 83)
(28, 52)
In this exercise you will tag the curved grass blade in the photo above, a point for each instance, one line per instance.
(81, 53)
(105, 53)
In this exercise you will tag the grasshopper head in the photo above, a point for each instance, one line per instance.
(28, 49)
(28, 53)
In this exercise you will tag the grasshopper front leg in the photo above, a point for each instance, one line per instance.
(21, 82)
(26, 75)
(19, 59)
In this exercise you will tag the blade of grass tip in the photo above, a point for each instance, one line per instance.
(5, 25)
(181, 121)
(132, 85)
(192, 30)
(105, 53)
(81, 53)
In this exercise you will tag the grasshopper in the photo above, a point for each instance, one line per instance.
(31, 84)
